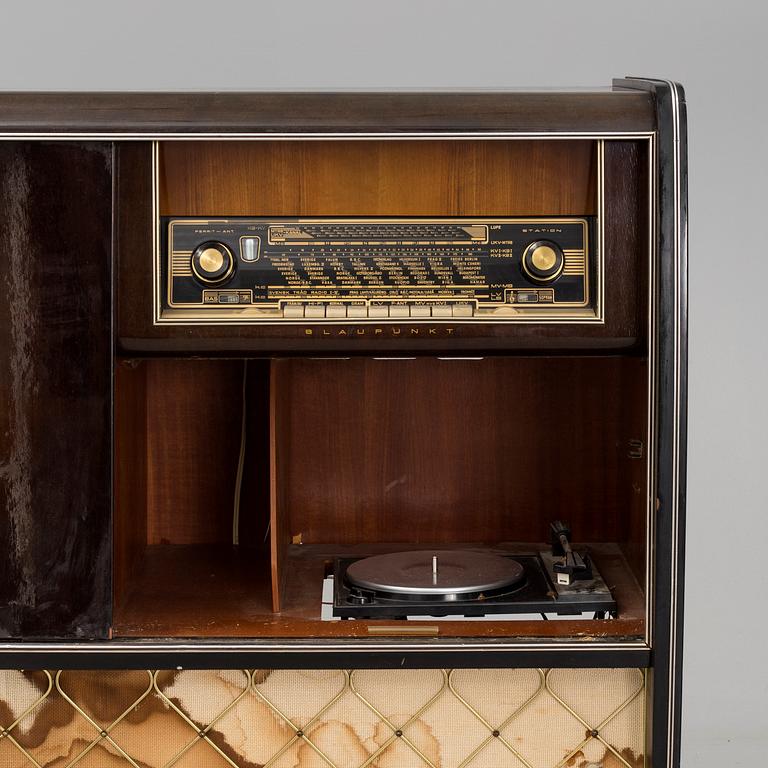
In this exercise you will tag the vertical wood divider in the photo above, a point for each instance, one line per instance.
(278, 544)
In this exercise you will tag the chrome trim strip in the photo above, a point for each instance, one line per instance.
(323, 135)
(365, 646)
(674, 565)
(672, 735)
(652, 422)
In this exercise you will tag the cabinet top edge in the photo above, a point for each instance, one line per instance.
(310, 112)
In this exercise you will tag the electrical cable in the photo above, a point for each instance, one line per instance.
(240, 465)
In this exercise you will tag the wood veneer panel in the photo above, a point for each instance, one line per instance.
(634, 477)
(278, 523)
(194, 416)
(427, 450)
(55, 389)
(377, 178)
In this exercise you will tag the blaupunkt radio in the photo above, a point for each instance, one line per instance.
(246, 270)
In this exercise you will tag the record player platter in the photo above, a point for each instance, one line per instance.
(437, 575)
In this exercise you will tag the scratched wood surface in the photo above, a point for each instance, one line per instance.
(55, 381)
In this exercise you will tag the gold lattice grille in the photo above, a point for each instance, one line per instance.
(489, 718)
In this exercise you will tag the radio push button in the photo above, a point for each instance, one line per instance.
(212, 263)
(543, 261)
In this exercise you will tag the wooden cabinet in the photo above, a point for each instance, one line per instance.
(174, 493)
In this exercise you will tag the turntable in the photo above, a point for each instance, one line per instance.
(471, 583)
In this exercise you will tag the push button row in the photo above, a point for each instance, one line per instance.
(336, 311)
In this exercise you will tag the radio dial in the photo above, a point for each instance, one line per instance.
(543, 261)
(212, 263)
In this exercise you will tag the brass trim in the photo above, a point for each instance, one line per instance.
(593, 730)
(201, 729)
(184, 646)
(382, 220)
(398, 732)
(498, 729)
(5, 730)
(324, 136)
(103, 730)
(419, 629)
(301, 732)
(441, 687)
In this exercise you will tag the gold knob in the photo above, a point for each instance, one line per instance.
(543, 258)
(543, 261)
(212, 262)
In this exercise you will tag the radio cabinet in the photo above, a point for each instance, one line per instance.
(247, 337)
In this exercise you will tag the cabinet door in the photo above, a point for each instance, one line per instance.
(55, 388)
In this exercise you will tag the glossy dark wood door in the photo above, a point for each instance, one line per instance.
(55, 385)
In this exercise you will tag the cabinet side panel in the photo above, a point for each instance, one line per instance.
(55, 384)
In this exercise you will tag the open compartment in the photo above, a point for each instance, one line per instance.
(325, 458)
(362, 456)
(182, 469)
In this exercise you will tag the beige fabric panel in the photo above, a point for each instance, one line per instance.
(522, 718)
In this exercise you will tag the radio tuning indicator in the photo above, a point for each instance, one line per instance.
(249, 248)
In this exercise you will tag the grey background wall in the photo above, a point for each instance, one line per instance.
(717, 50)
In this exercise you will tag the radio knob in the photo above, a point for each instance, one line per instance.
(212, 262)
(543, 261)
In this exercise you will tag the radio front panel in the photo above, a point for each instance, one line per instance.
(294, 270)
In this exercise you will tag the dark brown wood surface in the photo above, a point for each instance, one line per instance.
(342, 112)
(430, 450)
(220, 591)
(625, 255)
(378, 178)
(129, 526)
(55, 389)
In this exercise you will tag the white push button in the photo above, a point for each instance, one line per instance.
(378, 310)
(357, 310)
(420, 310)
(335, 310)
(462, 310)
(442, 310)
(398, 310)
(293, 310)
(314, 310)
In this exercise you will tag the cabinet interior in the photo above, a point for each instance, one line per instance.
(349, 456)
